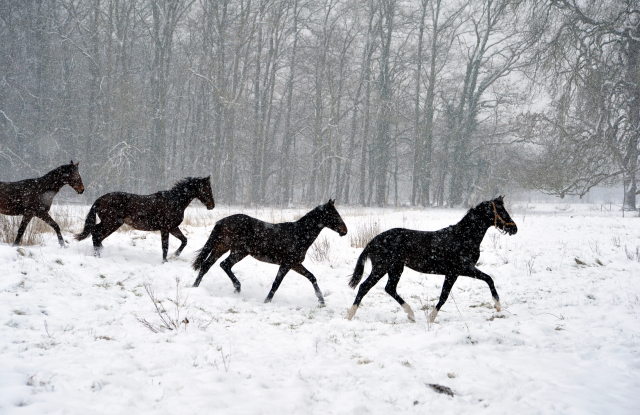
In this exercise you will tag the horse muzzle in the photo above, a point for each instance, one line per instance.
(510, 229)
(80, 190)
(343, 230)
(211, 205)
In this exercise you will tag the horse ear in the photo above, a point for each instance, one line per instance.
(77, 164)
(500, 198)
(71, 162)
(209, 178)
(330, 202)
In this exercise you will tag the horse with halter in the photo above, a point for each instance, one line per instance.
(33, 197)
(451, 251)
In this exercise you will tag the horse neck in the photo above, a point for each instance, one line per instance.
(183, 198)
(310, 222)
(51, 181)
(474, 228)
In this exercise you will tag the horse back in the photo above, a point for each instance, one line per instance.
(435, 252)
(267, 242)
(142, 212)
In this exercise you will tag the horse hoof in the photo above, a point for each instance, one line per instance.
(352, 312)
(321, 305)
(237, 291)
(267, 300)
(498, 306)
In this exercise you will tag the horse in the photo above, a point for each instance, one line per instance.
(451, 251)
(33, 197)
(283, 244)
(161, 211)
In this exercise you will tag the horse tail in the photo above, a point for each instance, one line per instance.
(207, 248)
(357, 273)
(89, 223)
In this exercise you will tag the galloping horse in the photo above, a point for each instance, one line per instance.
(161, 211)
(284, 244)
(33, 197)
(451, 251)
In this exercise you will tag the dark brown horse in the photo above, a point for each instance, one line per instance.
(451, 251)
(161, 211)
(284, 244)
(33, 197)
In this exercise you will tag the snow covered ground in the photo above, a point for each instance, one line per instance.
(566, 342)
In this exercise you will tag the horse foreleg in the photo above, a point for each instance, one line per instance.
(392, 284)
(49, 221)
(300, 269)
(183, 239)
(374, 277)
(282, 271)
(232, 259)
(477, 274)
(449, 280)
(164, 237)
(23, 226)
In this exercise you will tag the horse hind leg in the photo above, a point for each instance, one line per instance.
(376, 273)
(392, 284)
(232, 259)
(218, 250)
(101, 231)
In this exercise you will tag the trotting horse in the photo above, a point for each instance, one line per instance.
(33, 197)
(451, 251)
(284, 244)
(161, 211)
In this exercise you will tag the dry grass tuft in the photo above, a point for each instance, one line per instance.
(320, 250)
(364, 233)
(32, 235)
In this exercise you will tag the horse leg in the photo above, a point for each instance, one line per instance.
(183, 239)
(218, 250)
(101, 232)
(164, 237)
(300, 269)
(479, 275)
(449, 280)
(233, 258)
(394, 277)
(376, 273)
(23, 226)
(276, 283)
(49, 221)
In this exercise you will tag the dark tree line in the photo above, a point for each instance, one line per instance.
(373, 102)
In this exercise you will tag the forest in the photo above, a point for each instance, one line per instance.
(285, 102)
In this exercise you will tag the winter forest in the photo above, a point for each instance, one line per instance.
(374, 103)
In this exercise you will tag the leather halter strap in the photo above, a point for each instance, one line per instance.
(495, 220)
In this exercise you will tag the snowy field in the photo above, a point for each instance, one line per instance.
(566, 342)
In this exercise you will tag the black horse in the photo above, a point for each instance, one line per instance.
(284, 244)
(33, 197)
(161, 211)
(451, 251)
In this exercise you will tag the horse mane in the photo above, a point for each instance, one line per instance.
(184, 182)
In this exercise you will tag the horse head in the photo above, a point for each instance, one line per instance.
(71, 176)
(331, 218)
(501, 218)
(205, 195)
